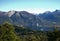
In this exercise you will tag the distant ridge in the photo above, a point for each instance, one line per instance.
(29, 20)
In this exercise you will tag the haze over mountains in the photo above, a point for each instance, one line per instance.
(26, 19)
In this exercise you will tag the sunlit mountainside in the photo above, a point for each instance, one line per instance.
(23, 18)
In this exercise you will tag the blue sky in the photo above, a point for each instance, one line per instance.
(33, 6)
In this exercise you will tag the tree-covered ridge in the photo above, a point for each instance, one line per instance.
(9, 32)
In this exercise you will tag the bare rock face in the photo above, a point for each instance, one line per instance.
(10, 13)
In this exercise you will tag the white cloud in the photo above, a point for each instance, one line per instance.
(34, 10)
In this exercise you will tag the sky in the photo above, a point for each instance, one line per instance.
(32, 6)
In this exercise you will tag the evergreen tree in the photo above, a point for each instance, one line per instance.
(7, 33)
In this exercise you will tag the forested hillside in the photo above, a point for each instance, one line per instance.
(9, 32)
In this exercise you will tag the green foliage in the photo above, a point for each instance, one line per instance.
(7, 33)
(54, 36)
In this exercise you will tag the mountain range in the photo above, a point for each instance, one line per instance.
(29, 20)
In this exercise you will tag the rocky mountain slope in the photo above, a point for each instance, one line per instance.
(26, 19)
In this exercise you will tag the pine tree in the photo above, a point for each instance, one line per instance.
(7, 33)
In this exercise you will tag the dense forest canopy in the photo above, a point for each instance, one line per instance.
(9, 32)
